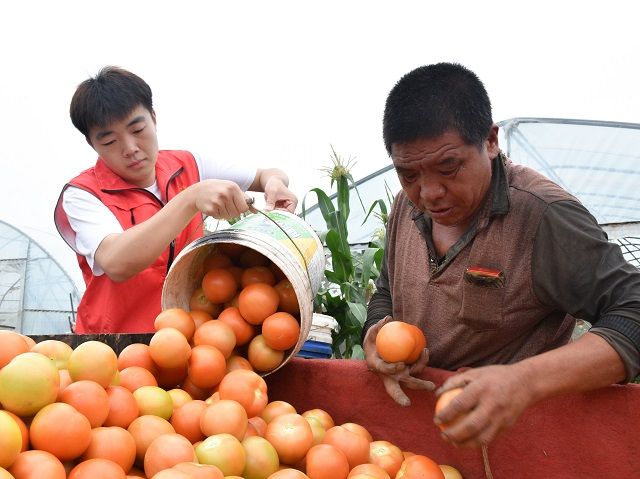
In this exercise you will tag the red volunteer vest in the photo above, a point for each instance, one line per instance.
(130, 306)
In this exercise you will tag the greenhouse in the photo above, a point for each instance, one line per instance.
(596, 161)
(36, 295)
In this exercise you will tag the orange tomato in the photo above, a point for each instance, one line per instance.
(36, 464)
(179, 397)
(123, 408)
(199, 471)
(259, 424)
(186, 420)
(263, 357)
(354, 445)
(200, 302)
(242, 329)
(145, 429)
(421, 343)
(281, 331)
(288, 473)
(113, 443)
(97, 469)
(176, 318)
(325, 461)
(137, 354)
(224, 416)
(219, 285)
(358, 429)
(134, 377)
(323, 416)
(369, 471)
(218, 334)
(169, 348)
(169, 378)
(419, 466)
(238, 362)
(200, 317)
(395, 342)
(288, 298)
(246, 387)
(10, 439)
(66, 442)
(207, 366)
(257, 274)
(443, 401)
(194, 391)
(215, 260)
(94, 361)
(317, 429)
(154, 400)
(276, 408)
(258, 301)
(166, 451)
(291, 435)
(11, 344)
(24, 430)
(90, 399)
(386, 455)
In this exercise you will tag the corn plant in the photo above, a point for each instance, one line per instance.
(350, 274)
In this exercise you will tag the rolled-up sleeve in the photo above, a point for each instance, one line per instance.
(380, 304)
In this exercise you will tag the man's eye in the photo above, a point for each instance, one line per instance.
(449, 172)
(409, 177)
(109, 143)
(139, 130)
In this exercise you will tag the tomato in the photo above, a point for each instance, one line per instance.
(134, 377)
(418, 466)
(90, 399)
(218, 334)
(66, 442)
(443, 401)
(10, 440)
(291, 435)
(223, 451)
(207, 366)
(276, 408)
(219, 285)
(262, 357)
(395, 342)
(288, 298)
(169, 348)
(166, 451)
(216, 259)
(11, 344)
(97, 469)
(186, 420)
(281, 331)
(246, 387)
(176, 318)
(354, 445)
(242, 329)
(94, 361)
(325, 461)
(198, 471)
(261, 458)
(113, 443)
(386, 455)
(224, 416)
(137, 354)
(145, 429)
(200, 302)
(36, 464)
(257, 274)
(123, 408)
(369, 471)
(251, 257)
(154, 400)
(323, 416)
(258, 301)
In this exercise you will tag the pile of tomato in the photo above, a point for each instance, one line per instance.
(190, 404)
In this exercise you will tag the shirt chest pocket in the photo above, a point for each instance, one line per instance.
(133, 212)
(482, 306)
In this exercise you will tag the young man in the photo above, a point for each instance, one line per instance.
(128, 216)
(493, 261)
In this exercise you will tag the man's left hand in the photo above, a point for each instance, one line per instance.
(278, 196)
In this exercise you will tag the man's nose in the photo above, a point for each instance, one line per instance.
(129, 146)
(431, 191)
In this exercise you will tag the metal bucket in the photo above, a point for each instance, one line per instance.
(284, 238)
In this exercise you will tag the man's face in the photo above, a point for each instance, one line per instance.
(444, 177)
(129, 146)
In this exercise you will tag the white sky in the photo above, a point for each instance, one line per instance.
(275, 83)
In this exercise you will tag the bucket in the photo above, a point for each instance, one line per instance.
(287, 240)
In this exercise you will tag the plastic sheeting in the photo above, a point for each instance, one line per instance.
(596, 161)
(36, 294)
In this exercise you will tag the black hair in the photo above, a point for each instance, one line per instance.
(109, 96)
(433, 99)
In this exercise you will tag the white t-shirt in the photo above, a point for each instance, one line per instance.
(92, 221)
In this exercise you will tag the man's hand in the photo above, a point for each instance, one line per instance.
(492, 399)
(221, 199)
(395, 374)
(278, 196)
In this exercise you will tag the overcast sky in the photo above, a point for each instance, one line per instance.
(274, 83)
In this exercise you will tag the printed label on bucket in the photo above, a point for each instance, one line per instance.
(292, 233)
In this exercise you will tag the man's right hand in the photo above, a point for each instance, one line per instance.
(395, 374)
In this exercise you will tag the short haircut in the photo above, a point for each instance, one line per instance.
(109, 96)
(433, 99)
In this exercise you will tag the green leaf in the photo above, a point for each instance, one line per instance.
(359, 311)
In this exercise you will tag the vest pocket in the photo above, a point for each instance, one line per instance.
(481, 307)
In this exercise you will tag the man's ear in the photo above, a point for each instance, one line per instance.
(493, 148)
(153, 116)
